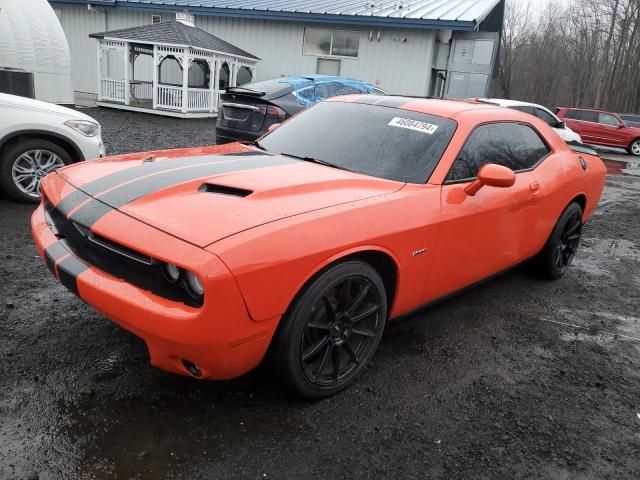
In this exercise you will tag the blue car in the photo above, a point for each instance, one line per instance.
(247, 112)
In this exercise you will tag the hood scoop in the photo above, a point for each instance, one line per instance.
(224, 190)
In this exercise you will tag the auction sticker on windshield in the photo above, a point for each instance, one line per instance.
(416, 125)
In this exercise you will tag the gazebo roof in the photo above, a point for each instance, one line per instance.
(175, 33)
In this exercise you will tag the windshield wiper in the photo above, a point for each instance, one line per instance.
(314, 160)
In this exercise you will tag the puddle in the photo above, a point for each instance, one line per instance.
(622, 167)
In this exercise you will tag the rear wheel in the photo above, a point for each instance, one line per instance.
(556, 256)
(24, 164)
(634, 148)
(332, 330)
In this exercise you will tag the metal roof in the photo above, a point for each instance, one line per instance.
(446, 14)
(175, 33)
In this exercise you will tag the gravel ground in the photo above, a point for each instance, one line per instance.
(125, 132)
(517, 378)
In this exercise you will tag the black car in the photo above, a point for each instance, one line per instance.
(248, 111)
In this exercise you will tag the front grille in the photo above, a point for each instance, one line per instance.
(115, 259)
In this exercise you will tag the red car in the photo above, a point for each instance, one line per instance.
(304, 244)
(601, 128)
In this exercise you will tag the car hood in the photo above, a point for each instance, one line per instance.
(205, 195)
(37, 105)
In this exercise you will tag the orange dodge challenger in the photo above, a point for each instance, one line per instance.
(301, 246)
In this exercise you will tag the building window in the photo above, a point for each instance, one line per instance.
(339, 43)
(156, 19)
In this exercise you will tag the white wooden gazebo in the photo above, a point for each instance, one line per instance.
(170, 68)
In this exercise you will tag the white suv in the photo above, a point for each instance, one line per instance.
(38, 137)
(541, 112)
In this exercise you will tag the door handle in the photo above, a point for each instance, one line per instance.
(534, 186)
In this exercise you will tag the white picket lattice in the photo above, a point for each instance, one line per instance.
(141, 90)
(112, 90)
(169, 97)
(198, 100)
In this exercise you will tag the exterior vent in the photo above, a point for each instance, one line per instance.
(185, 18)
(156, 19)
(224, 190)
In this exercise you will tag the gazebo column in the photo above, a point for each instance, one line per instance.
(185, 80)
(126, 56)
(99, 65)
(234, 75)
(154, 86)
(213, 77)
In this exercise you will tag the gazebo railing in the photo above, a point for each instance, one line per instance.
(199, 99)
(169, 97)
(141, 90)
(112, 89)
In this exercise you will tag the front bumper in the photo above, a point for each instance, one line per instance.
(219, 337)
(90, 147)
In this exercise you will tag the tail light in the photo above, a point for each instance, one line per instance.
(272, 111)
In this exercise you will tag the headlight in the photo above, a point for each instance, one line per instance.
(172, 272)
(85, 127)
(195, 284)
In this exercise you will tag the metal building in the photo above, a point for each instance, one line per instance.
(411, 47)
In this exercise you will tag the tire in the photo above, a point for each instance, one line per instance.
(29, 161)
(331, 331)
(556, 256)
(634, 148)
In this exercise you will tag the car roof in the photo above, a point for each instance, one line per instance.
(317, 77)
(589, 110)
(504, 102)
(431, 106)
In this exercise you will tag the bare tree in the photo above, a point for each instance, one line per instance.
(582, 53)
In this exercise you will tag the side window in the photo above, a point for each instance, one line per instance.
(513, 145)
(335, 89)
(573, 114)
(523, 108)
(589, 116)
(607, 119)
(546, 117)
(306, 96)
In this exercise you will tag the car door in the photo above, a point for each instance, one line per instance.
(583, 122)
(611, 130)
(496, 228)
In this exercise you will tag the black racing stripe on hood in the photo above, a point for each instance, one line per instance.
(68, 270)
(71, 201)
(74, 199)
(91, 212)
(250, 153)
(395, 102)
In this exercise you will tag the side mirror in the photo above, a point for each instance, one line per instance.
(491, 175)
(273, 127)
(561, 125)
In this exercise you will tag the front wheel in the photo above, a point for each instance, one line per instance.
(332, 330)
(634, 148)
(24, 164)
(556, 256)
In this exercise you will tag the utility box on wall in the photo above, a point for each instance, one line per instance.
(471, 64)
(16, 82)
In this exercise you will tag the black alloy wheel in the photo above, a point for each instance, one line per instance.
(556, 256)
(332, 331)
(569, 240)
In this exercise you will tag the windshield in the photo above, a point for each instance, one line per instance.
(371, 139)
